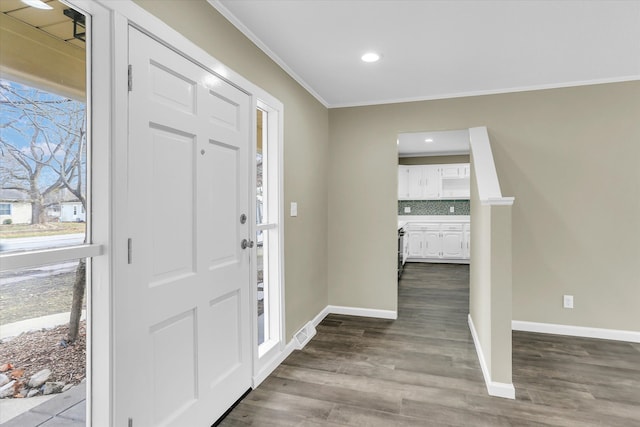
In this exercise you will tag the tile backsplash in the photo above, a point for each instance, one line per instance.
(434, 207)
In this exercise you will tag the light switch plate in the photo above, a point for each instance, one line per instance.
(294, 209)
(407, 209)
(567, 301)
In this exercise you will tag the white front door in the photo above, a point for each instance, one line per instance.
(183, 344)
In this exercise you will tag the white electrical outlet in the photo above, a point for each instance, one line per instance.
(567, 301)
(407, 209)
(452, 209)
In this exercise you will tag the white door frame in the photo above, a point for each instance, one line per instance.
(109, 34)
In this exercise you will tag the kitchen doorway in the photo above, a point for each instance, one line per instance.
(434, 221)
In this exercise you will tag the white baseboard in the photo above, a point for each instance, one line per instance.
(494, 388)
(320, 316)
(363, 312)
(273, 363)
(576, 331)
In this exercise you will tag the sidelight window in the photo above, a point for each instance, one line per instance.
(268, 272)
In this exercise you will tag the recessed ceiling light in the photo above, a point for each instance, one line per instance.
(38, 4)
(370, 57)
(428, 140)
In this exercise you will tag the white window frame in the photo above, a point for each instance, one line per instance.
(10, 205)
(266, 354)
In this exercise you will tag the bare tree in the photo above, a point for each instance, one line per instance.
(43, 149)
(54, 156)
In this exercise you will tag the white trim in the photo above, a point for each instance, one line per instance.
(576, 331)
(494, 388)
(484, 167)
(15, 261)
(276, 359)
(487, 92)
(498, 201)
(161, 32)
(363, 312)
(320, 316)
(271, 364)
(263, 47)
(265, 353)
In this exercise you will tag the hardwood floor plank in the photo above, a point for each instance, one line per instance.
(356, 416)
(422, 370)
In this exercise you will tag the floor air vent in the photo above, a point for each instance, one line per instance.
(303, 336)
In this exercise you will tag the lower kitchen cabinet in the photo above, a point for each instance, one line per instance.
(438, 241)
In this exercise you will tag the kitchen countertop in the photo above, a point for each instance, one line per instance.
(405, 219)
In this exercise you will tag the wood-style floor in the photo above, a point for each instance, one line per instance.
(422, 370)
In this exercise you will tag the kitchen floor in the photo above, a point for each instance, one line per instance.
(422, 370)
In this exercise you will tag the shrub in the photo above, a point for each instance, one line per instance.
(7, 221)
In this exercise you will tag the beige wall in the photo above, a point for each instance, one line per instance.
(569, 156)
(501, 293)
(433, 160)
(480, 271)
(305, 149)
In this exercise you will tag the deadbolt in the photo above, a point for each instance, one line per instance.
(246, 244)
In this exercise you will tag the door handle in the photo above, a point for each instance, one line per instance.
(246, 244)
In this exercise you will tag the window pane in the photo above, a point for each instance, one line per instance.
(262, 307)
(260, 163)
(35, 306)
(43, 181)
(35, 292)
(43, 165)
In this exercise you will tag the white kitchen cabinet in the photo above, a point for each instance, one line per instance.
(431, 176)
(433, 182)
(433, 244)
(455, 181)
(467, 241)
(452, 237)
(405, 250)
(452, 170)
(403, 182)
(416, 182)
(437, 241)
(416, 243)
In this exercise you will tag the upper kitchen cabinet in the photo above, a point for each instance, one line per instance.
(456, 181)
(433, 182)
(418, 182)
(403, 182)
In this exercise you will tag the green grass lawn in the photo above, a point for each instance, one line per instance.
(8, 231)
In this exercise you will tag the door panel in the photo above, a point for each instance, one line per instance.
(433, 243)
(183, 320)
(452, 244)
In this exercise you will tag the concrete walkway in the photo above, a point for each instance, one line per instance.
(67, 409)
(44, 322)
